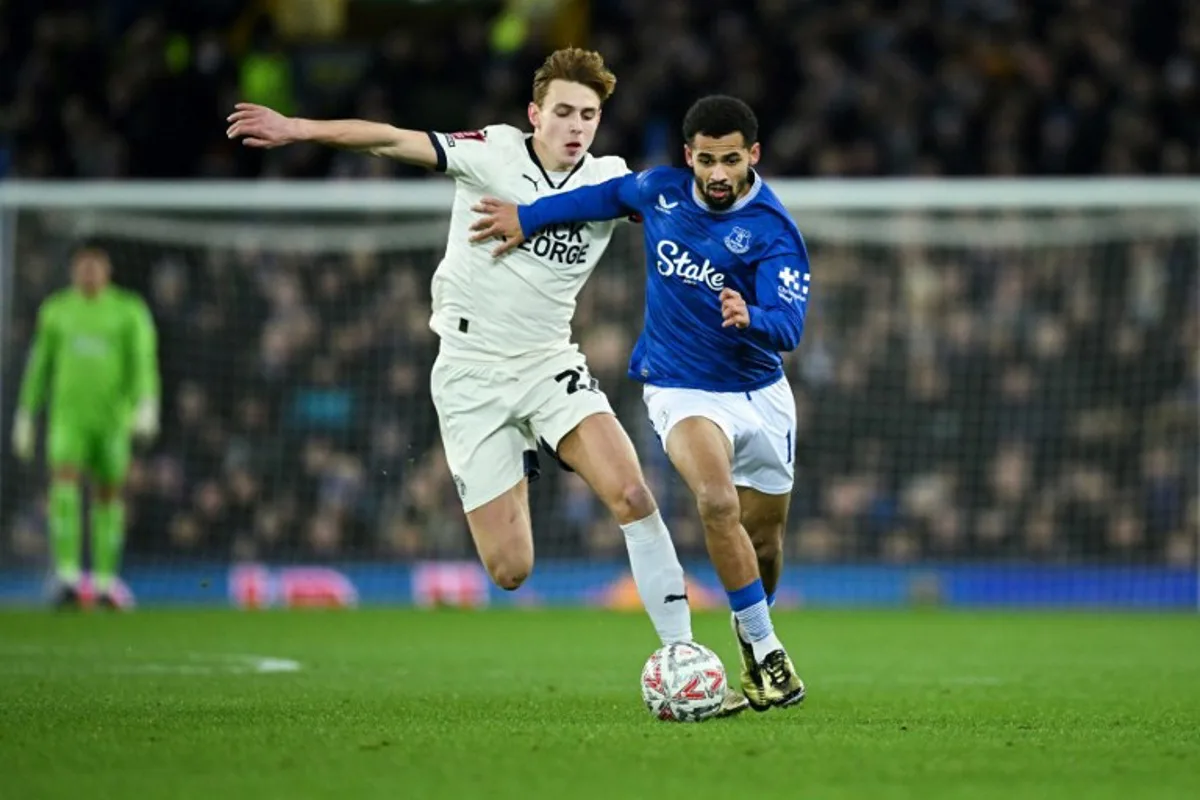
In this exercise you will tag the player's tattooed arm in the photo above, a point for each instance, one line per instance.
(259, 126)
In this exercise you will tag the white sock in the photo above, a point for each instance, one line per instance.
(659, 578)
(754, 626)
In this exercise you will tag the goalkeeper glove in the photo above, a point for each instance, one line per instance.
(23, 436)
(145, 420)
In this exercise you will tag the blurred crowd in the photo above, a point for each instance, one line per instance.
(1035, 403)
(1032, 403)
(843, 87)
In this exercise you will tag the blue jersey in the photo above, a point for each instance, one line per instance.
(692, 253)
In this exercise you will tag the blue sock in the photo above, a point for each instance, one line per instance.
(771, 600)
(749, 605)
(747, 596)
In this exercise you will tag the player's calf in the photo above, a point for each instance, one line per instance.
(768, 550)
(108, 540)
(599, 450)
(655, 565)
(66, 532)
(702, 452)
(765, 516)
(727, 542)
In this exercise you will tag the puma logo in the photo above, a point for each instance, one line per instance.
(672, 598)
(531, 180)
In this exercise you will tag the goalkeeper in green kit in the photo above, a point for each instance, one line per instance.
(94, 364)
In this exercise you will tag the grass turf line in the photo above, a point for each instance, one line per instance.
(534, 704)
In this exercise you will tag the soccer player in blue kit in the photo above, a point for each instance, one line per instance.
(726, 292)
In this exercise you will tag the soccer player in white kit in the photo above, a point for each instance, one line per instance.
(507, 375)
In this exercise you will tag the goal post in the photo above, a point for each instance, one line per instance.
(998, 394)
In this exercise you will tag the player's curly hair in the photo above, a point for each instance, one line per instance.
(720, 115)
(575, 65)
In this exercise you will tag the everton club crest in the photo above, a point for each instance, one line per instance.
(738, 240)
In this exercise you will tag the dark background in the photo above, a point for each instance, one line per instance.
(1035, 401)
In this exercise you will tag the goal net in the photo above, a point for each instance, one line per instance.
(997, 396)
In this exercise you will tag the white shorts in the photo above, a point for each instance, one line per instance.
(492, 414)
(761, 426)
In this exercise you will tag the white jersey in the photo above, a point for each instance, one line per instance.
(488, 309)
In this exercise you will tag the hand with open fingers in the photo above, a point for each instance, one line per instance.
(259, 126)
(498, 220)
(733, 309)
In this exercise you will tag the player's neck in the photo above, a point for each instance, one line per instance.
(751, 179)
(546, 158)
(90, 294)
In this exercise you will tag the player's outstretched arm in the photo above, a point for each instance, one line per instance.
(613, 199)
(259, 126)
(33, 385)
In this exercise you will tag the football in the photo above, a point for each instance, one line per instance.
(683, 682)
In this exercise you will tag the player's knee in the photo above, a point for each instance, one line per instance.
(718, 506)
(509, 580)
(768, 547)
(633, 502)
(508, 571)
(107, 494)
(66, 474)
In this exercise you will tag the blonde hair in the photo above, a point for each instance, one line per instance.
(575, 65)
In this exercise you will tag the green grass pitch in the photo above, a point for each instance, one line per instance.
(545, 704)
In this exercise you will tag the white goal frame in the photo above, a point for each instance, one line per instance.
(1147, 195)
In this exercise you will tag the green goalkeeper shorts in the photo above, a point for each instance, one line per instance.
(103, 454)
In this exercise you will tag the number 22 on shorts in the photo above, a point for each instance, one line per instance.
(577, 378)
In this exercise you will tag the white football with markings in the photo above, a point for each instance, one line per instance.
(683, 682)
